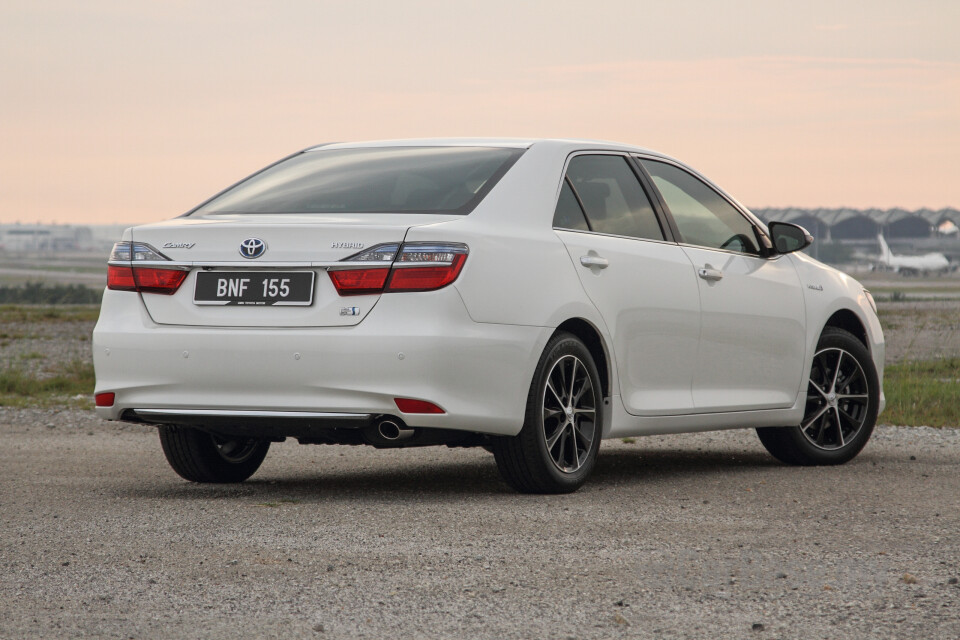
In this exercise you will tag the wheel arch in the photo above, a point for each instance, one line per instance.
(595, 344)
(849, 321)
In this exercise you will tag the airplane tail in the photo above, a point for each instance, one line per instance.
(884, 249)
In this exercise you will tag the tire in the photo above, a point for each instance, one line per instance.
(841, 409)
(526, 461)
(201, 457)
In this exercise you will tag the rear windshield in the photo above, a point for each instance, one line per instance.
(374, 180)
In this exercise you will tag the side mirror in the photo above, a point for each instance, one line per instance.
(788, 238)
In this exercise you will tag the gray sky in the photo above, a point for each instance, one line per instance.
(131, 111)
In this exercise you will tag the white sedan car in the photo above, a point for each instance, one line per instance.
(531, 297)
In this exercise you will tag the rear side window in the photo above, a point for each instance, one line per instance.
(612, 198)
(703, 216)
(569, 215)
(374, 180)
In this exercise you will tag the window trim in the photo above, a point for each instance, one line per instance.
(755, 222)
(666, 228)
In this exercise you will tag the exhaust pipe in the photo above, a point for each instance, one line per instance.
(390, 430)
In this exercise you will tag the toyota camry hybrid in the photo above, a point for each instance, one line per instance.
(529, 297)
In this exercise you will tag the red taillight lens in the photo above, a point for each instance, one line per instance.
(164, 281)
(145, 279)
(104, 399)
(426, 278)
(409, 405)
(120, 278)
(356, 282)
(414, 266)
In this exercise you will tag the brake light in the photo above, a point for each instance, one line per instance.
(120, 278)
(124, 274)
(408, 267)
(145, 279)
(355, 282)
(426, 278)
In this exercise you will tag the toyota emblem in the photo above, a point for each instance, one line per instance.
(252, 248)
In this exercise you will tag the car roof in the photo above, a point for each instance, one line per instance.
(513, 143)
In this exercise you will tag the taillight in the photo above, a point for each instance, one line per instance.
(355, 282)
(120, 278)
(165, 281)
(126, 271)
(403, 268)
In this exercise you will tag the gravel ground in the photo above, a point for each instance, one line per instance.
(921, 329)
(42, 348)
(681, 536)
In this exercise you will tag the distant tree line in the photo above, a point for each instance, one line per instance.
(40, 293)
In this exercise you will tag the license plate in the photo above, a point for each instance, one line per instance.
(255, 288)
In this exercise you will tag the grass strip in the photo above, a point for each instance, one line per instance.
(21, 389)
(923, 393)
(22, 313)
(41, 293)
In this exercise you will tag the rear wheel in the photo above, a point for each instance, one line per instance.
(202, 457)
(843, 397)
(557, 448)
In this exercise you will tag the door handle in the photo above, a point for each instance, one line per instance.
(709, 273)
(594, 261)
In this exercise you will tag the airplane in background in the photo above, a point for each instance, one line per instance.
(911, 265)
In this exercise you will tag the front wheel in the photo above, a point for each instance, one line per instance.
(199, 456)
(843, 397)
(557, 447)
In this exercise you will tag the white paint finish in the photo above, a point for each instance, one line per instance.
(649, 301)
(625, 424)
(753, 336)
(472, 347)
(840, 293)
(448, 359)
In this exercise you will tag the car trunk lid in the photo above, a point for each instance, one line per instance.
(239, 266)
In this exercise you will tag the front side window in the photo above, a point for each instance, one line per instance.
(371, 180)
(704, 218)
(612, 198)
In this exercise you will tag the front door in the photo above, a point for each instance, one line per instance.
(752, 336)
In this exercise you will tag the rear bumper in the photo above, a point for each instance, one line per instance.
(421, 346)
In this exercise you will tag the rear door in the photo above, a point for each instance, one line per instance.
(753, 334)
(642, 284)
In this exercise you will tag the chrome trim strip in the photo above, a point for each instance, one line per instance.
(250, 414)
(358, 264)
(775, 256)
(613, 235)
(246, 265)
(159, 264)
(286, 266)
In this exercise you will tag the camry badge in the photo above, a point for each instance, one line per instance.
(252, 248)
(178, 245)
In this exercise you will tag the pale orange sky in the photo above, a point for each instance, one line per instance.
(118, 111)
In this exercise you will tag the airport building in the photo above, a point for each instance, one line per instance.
(866, 224)
(52, 237)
